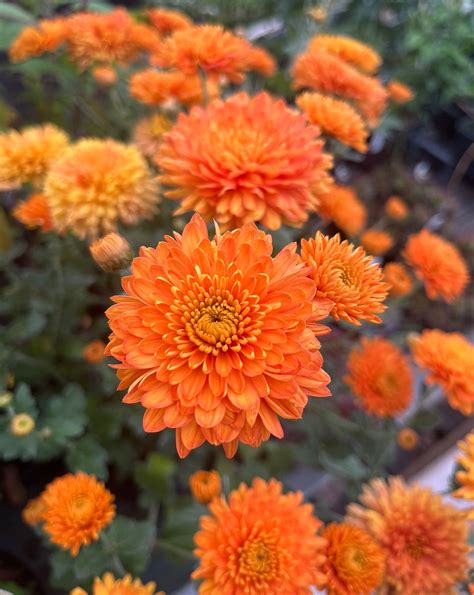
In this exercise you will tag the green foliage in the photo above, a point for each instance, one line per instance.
(154, 474)
(132, 541)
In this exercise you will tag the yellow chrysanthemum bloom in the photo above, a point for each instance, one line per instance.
(22, 424)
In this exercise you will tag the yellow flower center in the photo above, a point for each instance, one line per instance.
(416, 547)
(81, 507)
(354, 559)
(259, 559)
(346, 274)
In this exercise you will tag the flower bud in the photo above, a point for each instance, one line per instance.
(205, 485)
(112, 252)
(93, 352)
(22, 424)
(408, 439)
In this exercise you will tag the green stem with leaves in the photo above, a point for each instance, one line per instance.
(117, 563)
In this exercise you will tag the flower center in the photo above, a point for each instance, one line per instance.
(258, 559)
(416, 547)
(346, 274)
(81, 507)
(355, 558)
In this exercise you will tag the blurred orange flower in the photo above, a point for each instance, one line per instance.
(105, 75)
(148, 133)
(34, 213)
(399, 92)
(259, 60)
(376, 241)
(380, 376)
(355, 563)
(347, 277)
(350, 50)
(47, 36)
(260, 541)
(98, 183)
(424, 539)
(111, 253)
(438, 263)
(448, 359)
(408, 439)
(78, 507)
(400, 280)
(93, 352)
(342, 205)
(245, 159)
(205, 486)
(465, 475)
(33, 513)
(109, 585)
(396, 208)
(335, 118)
(168, 21)
(207, 343)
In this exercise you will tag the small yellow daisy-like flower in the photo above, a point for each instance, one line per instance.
(205, 485)
(26, 155)
(33, 513)
(408, 439)
(6, 398)
(97, 184)
(112, 252)
(109, 585)
(376, 241)
(22, 424)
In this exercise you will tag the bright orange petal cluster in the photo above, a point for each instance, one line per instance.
(424, 539)
(47, 36)
(380, 376)
(97, 184)
(259, 60)
(205, 486)
(34, 213)
(33, 513)
(336, 118)
(396, 208)
(447, 357)
(438, 263)
(399, 278)
(148, 133)
(215, 338)
(78, 507)
(347, 277)
(26, 155)
(399, 92)
(341, 205)
(109, 585)
(349, 50)
(259, 542)
(355, 563)
(168, 21)
(376, 241)
(465, 476)
(245, 159)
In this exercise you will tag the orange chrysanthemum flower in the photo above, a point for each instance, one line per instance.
(396, 208)
(34, 213)
(105, 75)
(47, 36)
(397, 275)
(33, 513)
(109, 585)
(324, 72)
(148, 133)
(376, 241)
(78, 507)
(448, 359)
(424, 539)
(399, 92)
(335, 118)
(350, 50)
(98, 183)
(205, 486)
(465, 476)
(347, 277)
(245, 159)
(341, 205)
(408, 439)
(207, 343)
(25, 156)
(355, 563)
(168, 21)
(261, 541)
(259, 60)
(438, 263)
(93, 352)
(380, 376)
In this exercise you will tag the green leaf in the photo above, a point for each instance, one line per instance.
(91, 561)
(349, 467)
(11, 12)
(154, 475)
(425, 420)
(181, 526)
(132, 541)
(87, 455)
(23, 402)
(62, 569)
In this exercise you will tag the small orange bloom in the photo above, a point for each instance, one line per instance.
(396, 208)
(148, 133)
(259, 60)
(47, 36)
(342, 205)
(465, 476)
(335, 118)
(109, 585)
(112, 253)
(250, 159)
(205, 486)
(349, 50)
(78, 507)
(355, 563)
(376, 242)
(425, 540)
(94, 351)
(408, 439)
(33, 513)
(400, 280)
(261, 541)
(347, 277)
(380, 376)
(168, 21)
(207, 343)
(399, 92)
(448, 359)
(34, 213)
(438, 263)
(105, 75)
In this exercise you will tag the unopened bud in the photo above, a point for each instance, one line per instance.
(112, 252)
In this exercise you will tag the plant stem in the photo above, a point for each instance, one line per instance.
(174, 549)
(108, 547)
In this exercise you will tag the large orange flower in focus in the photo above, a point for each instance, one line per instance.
(448, 358)
(335, 118)
(350, 50)
(347, 277)
(216, 338)
(245, 159)
(47, 36)
(424, 539)
(78, 507)
(380, 376)
(34, 213)
(355, 563)
(342, 205)
(260, 542)
(438, 263)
